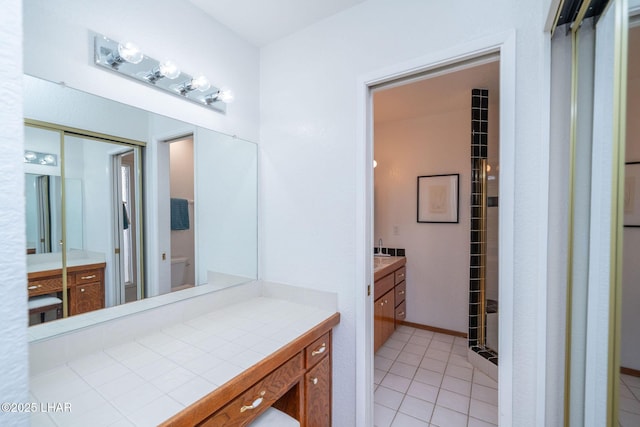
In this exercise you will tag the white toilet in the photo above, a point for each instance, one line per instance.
(178, 271)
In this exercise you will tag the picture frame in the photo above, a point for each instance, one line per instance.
(631, 213)
(438, 198)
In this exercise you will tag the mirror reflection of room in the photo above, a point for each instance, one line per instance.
(87, 215)
(83, 246)
(629, 401)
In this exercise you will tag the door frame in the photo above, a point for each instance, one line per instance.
(505, 45)
(118, 221)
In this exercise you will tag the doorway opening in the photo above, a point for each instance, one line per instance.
(182, 194)
(437, 130)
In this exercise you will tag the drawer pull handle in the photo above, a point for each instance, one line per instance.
(34, 287)
(314, 381)
(401, 314)
(401, 292)
(93, 276)
(254, 404)
(81, 289)
(321, 350)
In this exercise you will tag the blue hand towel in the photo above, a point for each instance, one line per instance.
(179, 214)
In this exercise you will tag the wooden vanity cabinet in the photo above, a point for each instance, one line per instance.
(295, 379)
(86, 291)
(390, 289)
(253, 401)
(400, 291)
(383, 319)
(85, 286)
(317, 383)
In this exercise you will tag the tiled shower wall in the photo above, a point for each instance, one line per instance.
(479, 147)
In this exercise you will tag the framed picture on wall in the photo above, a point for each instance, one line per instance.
(632, 194)
(438, 198)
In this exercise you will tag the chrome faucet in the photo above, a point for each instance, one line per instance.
(379, 253)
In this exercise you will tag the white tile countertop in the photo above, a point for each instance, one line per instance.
(145, 380)
(53, 260)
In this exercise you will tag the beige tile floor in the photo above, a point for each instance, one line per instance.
(423, 379)
(629, 404)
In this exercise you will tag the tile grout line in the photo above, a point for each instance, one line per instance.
(447, 364)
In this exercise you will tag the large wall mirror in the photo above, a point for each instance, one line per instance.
(129, 205)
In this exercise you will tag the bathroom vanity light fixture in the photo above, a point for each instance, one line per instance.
(128, 60)
(224, 95)
(36, 158)
(200, 83)
(168, 69)
(127, 52)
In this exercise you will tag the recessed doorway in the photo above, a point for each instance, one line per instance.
(426, 125)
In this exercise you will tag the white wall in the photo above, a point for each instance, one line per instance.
(310, 188)
(437, 254)
(13, 304)
(58, 47)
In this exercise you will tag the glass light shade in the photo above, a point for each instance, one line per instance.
(49, 158)
(30, 156)
(201, 83)
(226, 96)
(130, 53)
(375, 164)
(169, 69)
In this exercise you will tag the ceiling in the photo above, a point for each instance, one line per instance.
(436, 95)
(261, 22)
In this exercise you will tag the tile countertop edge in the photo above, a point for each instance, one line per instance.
(221, 396)
(383, 270)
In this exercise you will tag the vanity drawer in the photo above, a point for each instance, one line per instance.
(317, 350)
(401, 292)
(43, 286)
(87, 276)
(400, 275)
(255, 400)
(401, 311)
(382, 286)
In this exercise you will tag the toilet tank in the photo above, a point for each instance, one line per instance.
(178, 270)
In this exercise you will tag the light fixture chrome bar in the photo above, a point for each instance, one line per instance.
(108, 54)
(45, 159)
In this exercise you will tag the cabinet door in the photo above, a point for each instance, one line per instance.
(383, 319)
(86, 297)
(318, 394)
(388, 314)
(378, 324)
